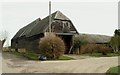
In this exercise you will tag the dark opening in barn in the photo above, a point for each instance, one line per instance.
(68, 41)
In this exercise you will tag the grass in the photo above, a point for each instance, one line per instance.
(113, 70)
(33, 56)
(65, 58)
(100, 54)
(29, 56)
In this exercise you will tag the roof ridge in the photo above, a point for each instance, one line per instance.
(39, 26)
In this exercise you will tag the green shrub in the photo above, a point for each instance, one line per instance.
(52, 47)
(115, 44)
(78, 42)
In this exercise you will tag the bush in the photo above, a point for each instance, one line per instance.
(52, 47)
(89, 48)
(115, 43)
(78, 42)
(104, 49)
(95, 48)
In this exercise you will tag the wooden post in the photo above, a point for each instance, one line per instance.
(49, 17)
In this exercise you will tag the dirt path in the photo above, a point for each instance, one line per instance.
(14, 64)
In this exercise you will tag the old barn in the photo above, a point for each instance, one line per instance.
(94, 43)
(29, 36)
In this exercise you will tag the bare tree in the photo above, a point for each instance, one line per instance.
(3, 38)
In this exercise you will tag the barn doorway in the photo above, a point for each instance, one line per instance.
(68, 41)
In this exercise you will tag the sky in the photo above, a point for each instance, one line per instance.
(89, 17)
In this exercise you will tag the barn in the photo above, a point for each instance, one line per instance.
(94, 43)
(29, 36)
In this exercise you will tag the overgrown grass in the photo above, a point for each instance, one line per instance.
(33, 56)
(100, 54)
(113, 70)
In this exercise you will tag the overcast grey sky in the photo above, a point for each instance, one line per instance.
(87, 17)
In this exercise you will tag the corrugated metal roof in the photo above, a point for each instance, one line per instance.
(93, 38)
(27, 29)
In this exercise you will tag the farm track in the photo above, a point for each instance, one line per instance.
(15, 64)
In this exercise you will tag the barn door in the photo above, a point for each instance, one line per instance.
(67, 41)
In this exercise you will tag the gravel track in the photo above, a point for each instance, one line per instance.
(15, 64)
